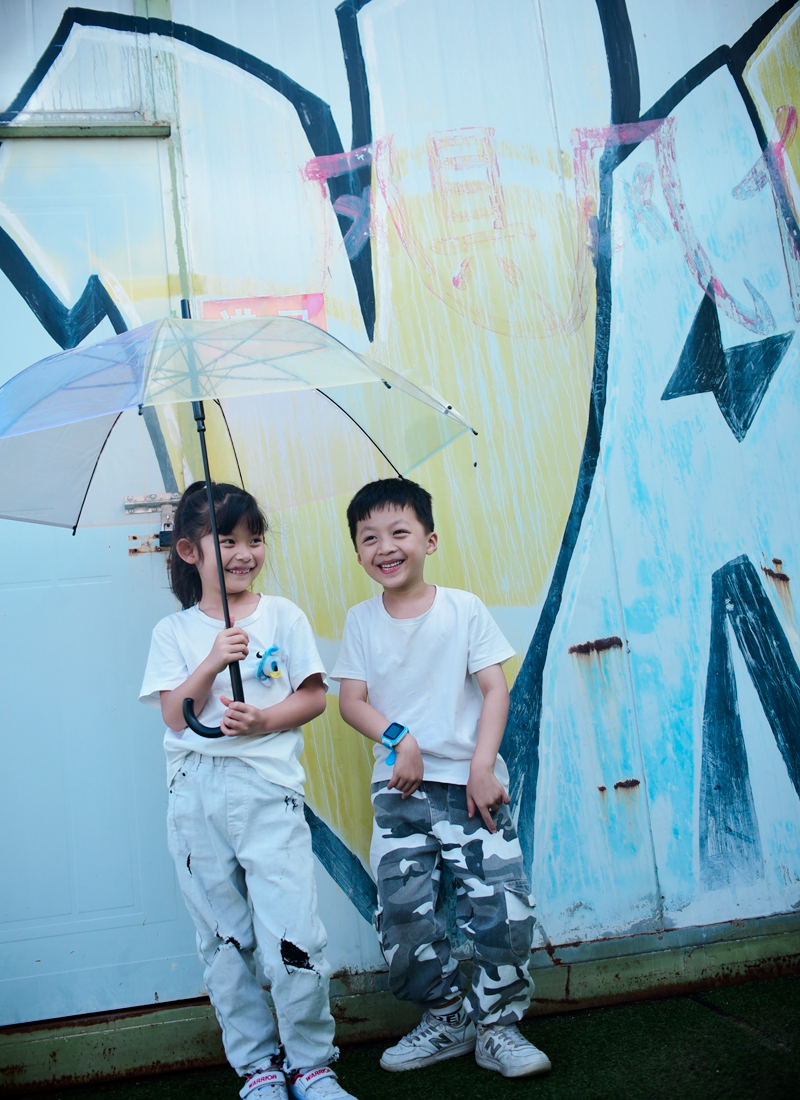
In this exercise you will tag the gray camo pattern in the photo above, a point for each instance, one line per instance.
(494, 909)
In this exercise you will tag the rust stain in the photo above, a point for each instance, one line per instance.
(775, 576)
(625, 784)
(551, 951)
(602, 790)
(599, 645)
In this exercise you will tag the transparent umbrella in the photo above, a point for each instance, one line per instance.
(57, 415)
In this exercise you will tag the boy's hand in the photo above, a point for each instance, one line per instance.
(485, 793)
(229, 645)
(408, 768)
(240, 718)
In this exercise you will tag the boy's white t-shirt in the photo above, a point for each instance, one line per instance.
(183, 640)
(420, 672)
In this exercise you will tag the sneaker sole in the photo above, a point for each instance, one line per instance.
(511, 1071)
(429, 1059)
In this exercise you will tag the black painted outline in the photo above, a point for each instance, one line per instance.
(313, 113)
(521, 741)
(344, 867)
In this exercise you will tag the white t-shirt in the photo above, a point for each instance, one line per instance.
(181, 641)
(420, 672)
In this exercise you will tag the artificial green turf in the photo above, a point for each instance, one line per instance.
(739, 1043)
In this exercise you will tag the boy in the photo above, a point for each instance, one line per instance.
(420, 672)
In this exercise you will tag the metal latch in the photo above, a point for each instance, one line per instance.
(165, 503)
(150, 502)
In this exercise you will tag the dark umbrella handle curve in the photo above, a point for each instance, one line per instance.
(194, 723)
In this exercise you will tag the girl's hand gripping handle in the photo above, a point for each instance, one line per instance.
(230, 647)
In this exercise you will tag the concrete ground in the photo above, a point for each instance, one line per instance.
(738, 1043)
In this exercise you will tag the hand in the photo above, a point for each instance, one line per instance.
(240, 718)
(229, 645)
(485, 793)
(408, 768)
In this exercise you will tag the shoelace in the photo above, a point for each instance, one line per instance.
(426, 1028)
(510, 1037)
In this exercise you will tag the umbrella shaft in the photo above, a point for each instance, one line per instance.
(200, 420)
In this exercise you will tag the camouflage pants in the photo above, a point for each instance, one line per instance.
(494, 909)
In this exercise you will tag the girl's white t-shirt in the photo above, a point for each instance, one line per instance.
(420, 672)
(183, 640)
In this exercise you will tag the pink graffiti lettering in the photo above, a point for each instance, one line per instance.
(357, 209)
(662, 133)
(338, 164)
(460, 277)
(474, 249)
(771, 168)
(773, 156)
(760, 318)
(639, 193)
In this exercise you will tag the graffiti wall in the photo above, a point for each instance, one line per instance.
(579, 224)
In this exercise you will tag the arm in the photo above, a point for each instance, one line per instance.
(408, 769)
(229, 645)
(295, 710)
(484, 791)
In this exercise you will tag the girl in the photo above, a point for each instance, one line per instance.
(237, 831)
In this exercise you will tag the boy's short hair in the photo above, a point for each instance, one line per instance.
(390, 492)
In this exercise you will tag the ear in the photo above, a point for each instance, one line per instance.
(433, 542)
(187, 551)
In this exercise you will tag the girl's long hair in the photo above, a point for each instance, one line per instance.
(232, 506)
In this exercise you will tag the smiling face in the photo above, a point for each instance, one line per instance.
(242, 560)
(392, 546)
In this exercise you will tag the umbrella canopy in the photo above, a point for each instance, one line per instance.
(56, 416)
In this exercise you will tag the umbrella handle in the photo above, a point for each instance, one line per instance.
(193, 722)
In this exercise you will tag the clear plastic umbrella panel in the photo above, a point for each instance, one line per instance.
(56, 416)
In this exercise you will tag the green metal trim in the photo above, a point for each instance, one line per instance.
(85, 130)
(133, 1043)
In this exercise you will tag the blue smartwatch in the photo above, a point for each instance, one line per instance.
(391, 737)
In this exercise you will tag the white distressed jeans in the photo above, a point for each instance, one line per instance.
(243, 853)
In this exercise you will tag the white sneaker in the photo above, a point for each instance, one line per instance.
(317, 1084)
(432, 1040)
(267, 1084)
(503, 1048)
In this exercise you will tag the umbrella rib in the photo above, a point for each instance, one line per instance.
(218, 403)
(94, 470)
(365, 432)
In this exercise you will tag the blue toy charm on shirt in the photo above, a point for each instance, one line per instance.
(268, 667)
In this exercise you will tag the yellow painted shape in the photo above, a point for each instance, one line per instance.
(773, 76)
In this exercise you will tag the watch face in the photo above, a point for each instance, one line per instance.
(393, 731)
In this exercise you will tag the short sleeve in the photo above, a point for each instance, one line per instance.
(487, 644)
(351, 663)
(303, 656)
(166, 666)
